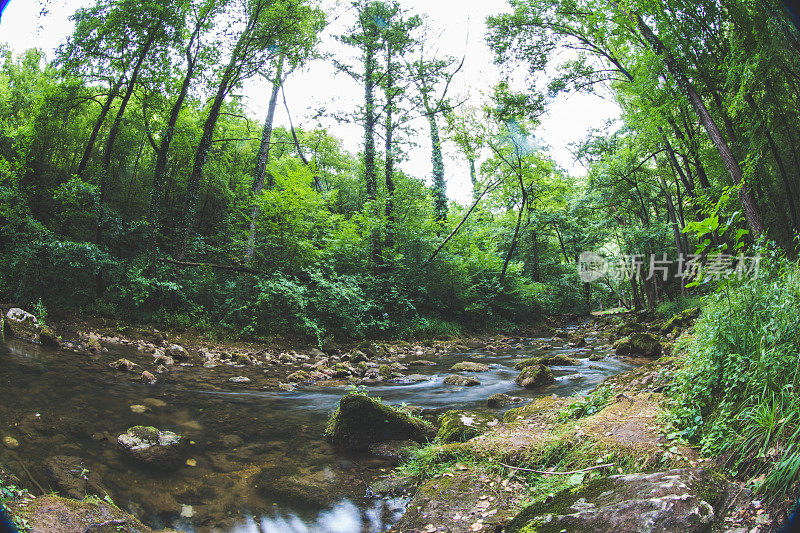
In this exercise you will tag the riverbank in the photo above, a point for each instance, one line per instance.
(604, 462)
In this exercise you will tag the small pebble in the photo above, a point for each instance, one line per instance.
(11, 443)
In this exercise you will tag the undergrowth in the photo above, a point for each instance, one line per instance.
(737, 393)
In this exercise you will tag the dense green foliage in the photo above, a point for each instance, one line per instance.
(738, 391)
(132, 183)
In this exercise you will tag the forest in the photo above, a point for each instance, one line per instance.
(136, 185)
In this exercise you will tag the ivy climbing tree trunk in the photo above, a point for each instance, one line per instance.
(439, 185)
(201, 153)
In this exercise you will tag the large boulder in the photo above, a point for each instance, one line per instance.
(360, 421)
(21, 324)
(628, 328)
(644, 344)
(460, 426)
(676, 501)
(547, 360)
(535, 376)
(152, 447)
(71, 477)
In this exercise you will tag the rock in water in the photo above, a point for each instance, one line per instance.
(153, 447)
(460, 426)
(645, 344)
(54, 514)
(47, 337)
(177, 352)
(360, 421)
(496, 401)
(468, 366)
(10, 442)
(123, 364)
(535, 376)
(461, 381)
(676, 501)
(71, 477)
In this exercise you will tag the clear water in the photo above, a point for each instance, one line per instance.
(262, 465)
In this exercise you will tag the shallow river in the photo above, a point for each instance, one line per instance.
(261, 464)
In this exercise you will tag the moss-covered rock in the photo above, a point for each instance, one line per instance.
(360, 421)
(71, 477)
(644, 344)
(628, 328)
(535, 376)
(547, 360)
(460, 426)
(461, 381)
(496, 401)
(152, 447)
(52, 514)
(47, 337)
(676, 501)
(469, 366)
(681, 320)
(20, 324)
(455, 503)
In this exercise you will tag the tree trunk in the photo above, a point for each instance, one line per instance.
(389, 148)
(87, 152)
(157, 191)
(745, 196)
(473, 176)
(787, 187)
(263, 159)
(201, 153)
(112, 135)
(369, 122)
(514, 239)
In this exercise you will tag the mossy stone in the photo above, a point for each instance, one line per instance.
(535, 376)
(460, 426)
(360, 421)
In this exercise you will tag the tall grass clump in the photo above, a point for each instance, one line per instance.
(737, 394)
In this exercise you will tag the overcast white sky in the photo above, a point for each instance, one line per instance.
(462, 28)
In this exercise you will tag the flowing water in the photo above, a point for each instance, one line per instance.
(261, 464)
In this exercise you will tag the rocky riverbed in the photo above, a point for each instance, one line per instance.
(200, 437)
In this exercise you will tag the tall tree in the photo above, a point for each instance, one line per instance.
(268, 24)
